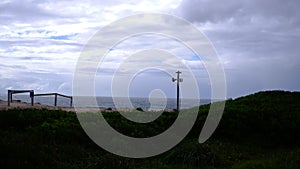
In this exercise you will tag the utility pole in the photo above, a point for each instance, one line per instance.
(178, 79)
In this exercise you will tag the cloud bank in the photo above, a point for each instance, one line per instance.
(257, 41)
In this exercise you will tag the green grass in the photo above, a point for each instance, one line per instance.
(256, 131)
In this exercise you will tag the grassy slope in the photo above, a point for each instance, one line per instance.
(256, 131)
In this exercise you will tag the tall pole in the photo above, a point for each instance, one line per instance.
(178, 79)
(178, 90)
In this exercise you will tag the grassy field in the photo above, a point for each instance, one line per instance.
(256, 131)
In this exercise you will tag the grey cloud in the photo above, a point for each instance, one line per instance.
(11, 66)
(9, 46)
(23, 10)
(257, 39)
(36, 12)
(40, 82)
(218, 11)
(202, 11)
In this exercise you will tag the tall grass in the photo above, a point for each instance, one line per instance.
(256, 131)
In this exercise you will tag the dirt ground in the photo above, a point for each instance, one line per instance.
(23, 105)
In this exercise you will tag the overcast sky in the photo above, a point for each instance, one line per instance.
(257, 42)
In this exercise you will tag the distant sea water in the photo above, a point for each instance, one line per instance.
(108, 102)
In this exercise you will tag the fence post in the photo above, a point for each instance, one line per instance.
(8, 98)
(71, 101)
(32, 97)
(55, 99)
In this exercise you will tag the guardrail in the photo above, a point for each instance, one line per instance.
(55, 97)
(32, 95)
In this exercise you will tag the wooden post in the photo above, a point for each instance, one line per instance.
(71, 101)
(8, 98)
(32, 101)
(32, 97)
(55, 99)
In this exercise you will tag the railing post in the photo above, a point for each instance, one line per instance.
(32, 97)
(71, 101)
(55, 99)
(8, 98)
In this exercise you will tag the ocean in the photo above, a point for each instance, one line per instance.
(108, 102)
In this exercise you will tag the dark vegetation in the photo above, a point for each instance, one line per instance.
(257, 131)
(139, 109)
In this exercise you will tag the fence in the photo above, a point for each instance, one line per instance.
(32, 95)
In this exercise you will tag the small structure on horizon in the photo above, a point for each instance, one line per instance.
(11, 92)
